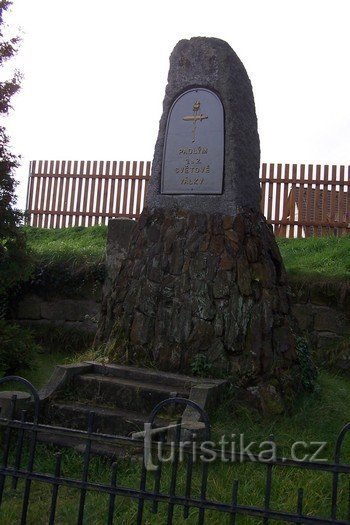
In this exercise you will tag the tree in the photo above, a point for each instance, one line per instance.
(13, 255)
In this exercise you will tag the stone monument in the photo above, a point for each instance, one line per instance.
(202, 273)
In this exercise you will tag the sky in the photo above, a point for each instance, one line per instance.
(95, 74)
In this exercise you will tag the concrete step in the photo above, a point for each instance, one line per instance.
(106, 420)
(147, 375)
(124, 393)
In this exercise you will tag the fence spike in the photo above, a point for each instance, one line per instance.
(19, 447)
(172, 488)
(300, 502)
(157, 477)
(6, 449)
(28, 482)
(55, 488)
(87, 453)
(234, 502)
(335, 482)
(188, 480)
(112, 495)
(268, 485)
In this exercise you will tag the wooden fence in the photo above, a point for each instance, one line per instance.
(298, 200)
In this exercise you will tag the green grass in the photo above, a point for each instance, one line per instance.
(75, 247)
(53, 345)
(318, 417)
(43, 367)
(318, 257)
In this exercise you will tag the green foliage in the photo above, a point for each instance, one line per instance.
(201, 366)
(14, 263)
(17, 348)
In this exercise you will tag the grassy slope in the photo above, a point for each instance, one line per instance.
(326, 257)
(73, 246)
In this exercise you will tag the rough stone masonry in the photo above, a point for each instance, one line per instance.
(202, 273)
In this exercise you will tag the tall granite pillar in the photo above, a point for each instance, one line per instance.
(203, 273)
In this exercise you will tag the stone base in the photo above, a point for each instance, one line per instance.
(204, 284)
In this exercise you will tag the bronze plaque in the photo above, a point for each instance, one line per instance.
(193, 158)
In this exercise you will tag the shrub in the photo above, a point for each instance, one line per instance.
(17, 348)
(14, 261)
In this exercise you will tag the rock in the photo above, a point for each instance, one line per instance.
(140, 329)
(227, 262)
(29, 308)
(304, 316)
(327, 319)
(221, 285)
(211, 63)
(251, 249)
(197, 306)
(284, 343)
(243, 275)
(328, 340)
(69, 310)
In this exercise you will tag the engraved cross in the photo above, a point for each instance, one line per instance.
(195, 118)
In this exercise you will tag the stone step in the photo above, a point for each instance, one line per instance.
(124, 393)
(148, 375)
(112, 451)
(106, 420)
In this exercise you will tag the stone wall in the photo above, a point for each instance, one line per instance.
(77, 308)
(322, 310)
(81, 314)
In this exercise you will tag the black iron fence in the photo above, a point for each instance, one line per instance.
(22, 437)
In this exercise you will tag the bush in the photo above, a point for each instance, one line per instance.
(17, 348)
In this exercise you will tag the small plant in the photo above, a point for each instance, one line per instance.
(307, 367)
(201, 366)
(92, 353)
(17, 348)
